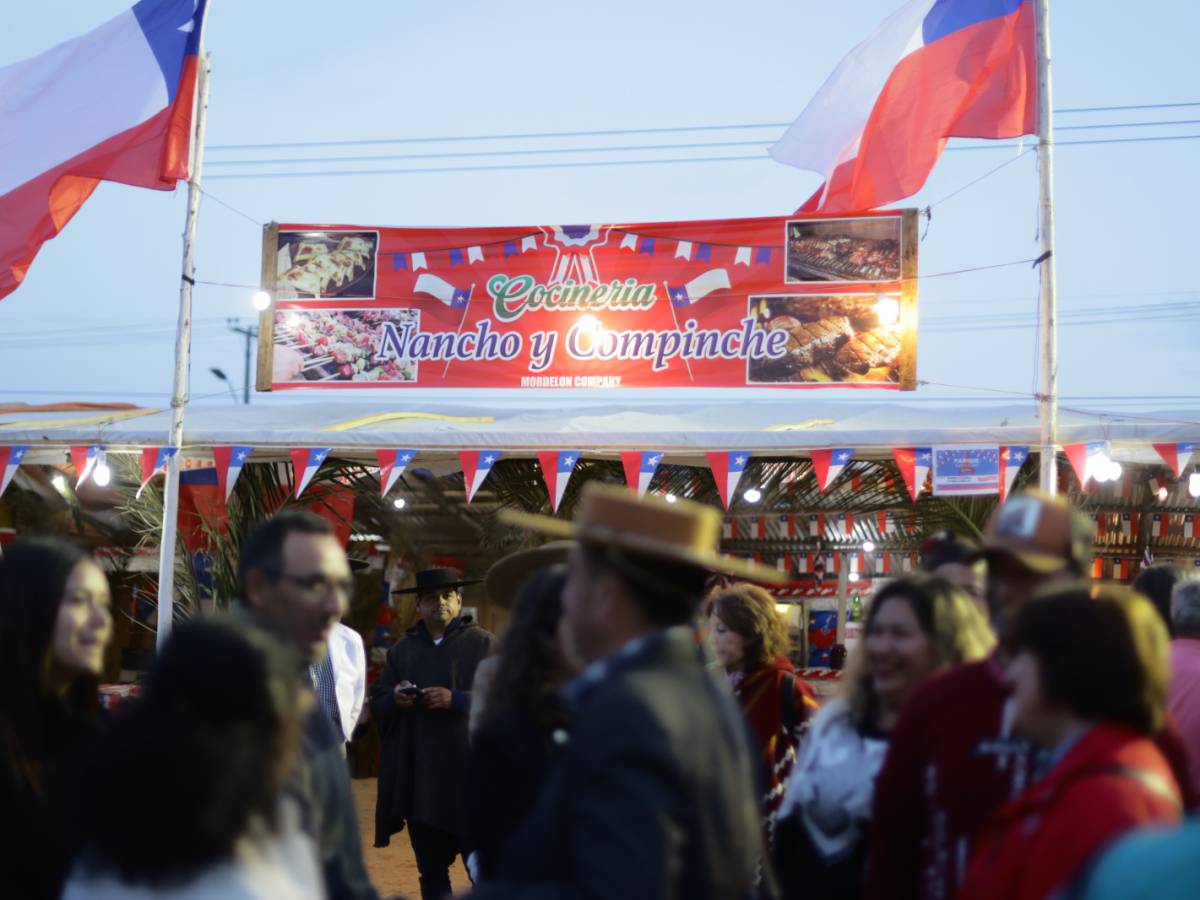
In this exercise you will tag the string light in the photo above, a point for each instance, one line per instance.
(101, 474)
(752, 495)
(868, 546)
(1194, 484)
(399, 503)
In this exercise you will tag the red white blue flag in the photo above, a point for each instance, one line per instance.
(115, 104)
(935, 69)
(392, 464)
(10, 461)
(816, 525)
(1081, 457)
(1159, 525)
(914, 464)
(1011, 460)
(557, 469)
(305, 463)
(154, 460)
(229, 462)
(477, 466)
(699, 287)
(1189, 527)
(84, 460)
(727, 468)
(640, 468)
(1177, 456)
(828, 464)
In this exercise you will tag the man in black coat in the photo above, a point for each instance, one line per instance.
(654, 797)
(421, 702)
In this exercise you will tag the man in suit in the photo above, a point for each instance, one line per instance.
(654, 796)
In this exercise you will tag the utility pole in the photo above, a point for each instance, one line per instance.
(251, 335)
(1048, 475)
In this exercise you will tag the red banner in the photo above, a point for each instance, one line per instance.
(778, 302)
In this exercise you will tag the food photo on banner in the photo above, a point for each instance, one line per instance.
(777, 302)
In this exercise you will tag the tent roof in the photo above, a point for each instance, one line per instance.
(605, 424)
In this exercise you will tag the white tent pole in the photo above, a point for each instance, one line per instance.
(183, 353)
(1048, 476)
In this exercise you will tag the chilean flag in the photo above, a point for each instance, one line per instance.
(640, 468)
(305, 463)
(1189, 527)
(1177, 456)
(10, 460)
(816, 525)
(229, 462)
(1011, 460)
(392, 464)
(828, 464)
(477, 465)
(935, 69)
(1081, 455)
(727, 469)
(84, 460)
(154, 460)
(914, 464)
(1159, 525)
(115, 104)
(557, 469)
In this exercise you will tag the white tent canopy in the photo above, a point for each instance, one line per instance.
(784, 423)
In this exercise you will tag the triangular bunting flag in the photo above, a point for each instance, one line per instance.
(556, 470)
(154, 460)
(1177, 456)
(828, 464)
(229, 462)
(477, 465)
(392, 464)
(727, 468)
(10, 461)
(84, 460)
(305, 463)
(1079, 454)
(1011, 460)
(640, 467)
(913, 463)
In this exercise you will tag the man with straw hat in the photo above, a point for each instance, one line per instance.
(655, 795)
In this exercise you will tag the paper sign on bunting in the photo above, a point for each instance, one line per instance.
(10, 461)
(229, 462)
(305, 463)
(556, 470)
(966, 470)
(640, 468)
(477, 465)
(392, 464)
(727, 468)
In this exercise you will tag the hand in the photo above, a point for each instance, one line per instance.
(437, 698)
(404, 701)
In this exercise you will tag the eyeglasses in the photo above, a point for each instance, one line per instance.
(318, 583)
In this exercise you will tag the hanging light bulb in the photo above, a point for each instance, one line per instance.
(261, 300)
(101, 474)
(670, 498)
(852, 577)
(752, 495)
(1163, 493)
(1194, 484)
(868, 546)
(399, 503)
(1114, 470)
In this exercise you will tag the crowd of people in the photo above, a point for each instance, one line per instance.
(1007, 728)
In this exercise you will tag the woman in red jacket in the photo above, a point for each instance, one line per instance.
(750, 640)
(1089, 680)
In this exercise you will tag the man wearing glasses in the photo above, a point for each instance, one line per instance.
(421, 702)
(296, 584)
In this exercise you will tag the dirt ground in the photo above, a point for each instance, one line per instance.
(393, 869)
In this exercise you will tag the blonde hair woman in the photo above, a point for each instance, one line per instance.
(915, 626)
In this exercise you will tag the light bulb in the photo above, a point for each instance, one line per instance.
(670, 498)
(59, 482)
(887, 310)
(852, 577)
(752, 495)
(1194, 484)
(399, 503)
(1163, 493)
(868, 546)
(782, 608)
(1114, 470)
(261, 300)
(102, 475)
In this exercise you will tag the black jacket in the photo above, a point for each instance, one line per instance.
(654, 798)
(424, 751)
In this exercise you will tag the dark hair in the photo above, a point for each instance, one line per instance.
(1102, 652)
(262, 550)
(529, 655)
(666, 593)
(749, 611)
(176, 783)
(945, 547)
(33, 578)
(1155, 583)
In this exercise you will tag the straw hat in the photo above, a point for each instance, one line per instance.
(506, 576)
(682, 532)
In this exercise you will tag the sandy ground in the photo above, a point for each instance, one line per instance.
(393, 869)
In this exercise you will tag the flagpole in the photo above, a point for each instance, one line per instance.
(1048, 478)
(183, 352)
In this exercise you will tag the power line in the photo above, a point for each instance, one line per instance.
(228, 206)
(972, 183)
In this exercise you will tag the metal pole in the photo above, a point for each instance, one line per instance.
(246, 372)
(183, 350)
(1048, 476)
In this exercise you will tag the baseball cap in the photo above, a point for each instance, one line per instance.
(1043, 534)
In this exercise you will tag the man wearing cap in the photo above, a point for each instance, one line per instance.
(654, 795)
(421, 702)
(952, 761)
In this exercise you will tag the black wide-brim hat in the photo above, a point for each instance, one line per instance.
(436, 579)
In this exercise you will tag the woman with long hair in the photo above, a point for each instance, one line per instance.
(1089, 677)
(525, 722)
(183, 798)
(914, 626)
(55, 626)
(750, 640)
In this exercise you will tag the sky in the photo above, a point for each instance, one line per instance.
(95, 318)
